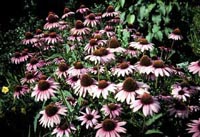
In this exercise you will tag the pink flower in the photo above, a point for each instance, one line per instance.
(112, 110)
(83, 9)
(89, 118)
(194, 127)
(110, 12)
(110, 128)
(160, 69)
(29, 39)
(91, 20)
(114, 46)
(142, 45)
(77, 70)
(52, 22)
(61, 71)
(180, 93)
(80, 29)
(20, 91)
(194, 67)
(176, 34)
(67, 13)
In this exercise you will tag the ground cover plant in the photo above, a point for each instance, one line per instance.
(89, 73)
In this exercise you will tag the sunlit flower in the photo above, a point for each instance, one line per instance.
(110, 128)
(127, 90)
(194, 67)
(123, 69)
(160, 69)
(84, 85)
(89, 118)
(96, 69)
(80, 29)
(110, 12)
(144, 66)
(101, 56)
(176, 34)
(131, 51)
(112, 110)
(114, 46)
(104, 87)
(45, 89)
(142, 45)
(61, 71)
(63, 129)
(20, 91)
(5, 89)
(29, 39)
(77, 70)
(34, 64)
(91, 20)
(83, 9)
(67, 13)
(71, 80)
(148, 103)
(194, 127)
(91, 46)
(53, 38)
(52, 22)
(180, 93)
(51, 115)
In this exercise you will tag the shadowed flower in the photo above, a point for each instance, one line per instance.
(112, 110)
(159, 69)
(61, 71)
(194, 67)
(63, 129)
(52, 22)
(104, 87)
(45, 89)
(20, 91)
(34, 64)
(131, 51)
(80, 29)
(91, 46)
(110, 128)
(84, 85)
(180, 93)
(95, 69)
(77, 70)
(110, 12)
(51, 115)
(142, 45)
(91, 20)
(89, 118)
(29, 39)
(127, 90)
(148, 103)
(16, 59)
(38, 33)
(30, 77)
(99, 39)
(109, 31)
(114, 46)
(71, 80)
(176, 34)
(53, 38)
(67, 13)
(194, 127)
(83, 9)
(75, 37)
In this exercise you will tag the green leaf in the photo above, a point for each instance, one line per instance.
(155, 28)
(156, 19)
(159, 35)
(130, 18)
(150, 7)
(122, 15)
(153, 119)
(142, 12)
(122, 2)
(153, 131)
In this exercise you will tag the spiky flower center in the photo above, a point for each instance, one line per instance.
(79, 24)
(78, 65)
(177, 31)
(89, 116)
(91, 16)
(199, 126)
(52, 34)
(66, 10)
(86, 80)
(17, 55)
(43, 85)
(93, 42)
(198, 63)
(74, 78)
(102, 84)
(52, 18)
(130, 85)
(63, 67)
(43, 77)
(110, 9)
(109, 125)
(143, 41)
(138, 34)
(180, 106)
(29, 75)
(145, 61)
(113, 106)
(131, 48)
(113, 43)
(82, 6)
(181, 92)
(63, 125)
(18, 88)
(130, 26)
(98, 37)
(158, 64)
(100, 52)
(38, 31)
(146, 99)
(28, 35)
(109, 29)
(33, 61)
(51, 110)
(24, 53)
(123, 65)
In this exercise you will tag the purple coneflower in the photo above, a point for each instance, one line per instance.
(45, 89)
(112, 110)
(96, 69)
(137, 35)
(30, 77)
(67, 13)
(180, 93)
(159, 69)
(52, 22)
(110, 12)
(84, 85)
(194, 67)
(29, 39)
(71, 80)
(110, 128)
(91, 20)
(77, 69)
(25, 55)
(80, 29)
(142, 45)
(176, 34)
(16, 59)
(51, 114)
(62, 25)
(34, 64)
(38, 33)
(20, 91)
(89, 118)
(53, 38)
(148, 104)
(104, 87)
(123, 69)
(101, 56)
(109, 30)
(61, 71)
(99, 39)
(63, 129)
(194, 127)
(75, 37)
(131, 51)
(83, 9)
(91, 46)
(114, 46)
(127, 90)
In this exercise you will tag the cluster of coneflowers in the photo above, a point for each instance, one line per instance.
(88, 79)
